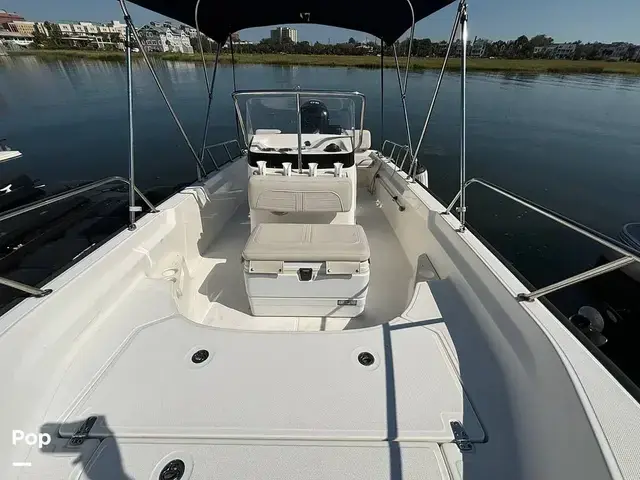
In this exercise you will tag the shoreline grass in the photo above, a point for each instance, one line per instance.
(417, 64)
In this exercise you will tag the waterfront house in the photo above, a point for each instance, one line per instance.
(565, 50)
(479, 47)
(165, 39)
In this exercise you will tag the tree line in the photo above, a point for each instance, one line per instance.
(520, 48)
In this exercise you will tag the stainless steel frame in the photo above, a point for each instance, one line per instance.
(132, 194)
(297, 94)
(72, 193)
(463, 111)
(226, 148)
(402, 85)
(628, 256)
(400, 148)
(381, 92)
(37, 292)
(145, 56)
(209, 99)
(34, 292)
(454, 29)
(299, 128)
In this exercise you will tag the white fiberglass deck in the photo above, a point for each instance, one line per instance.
(279, 397)
(390, 287)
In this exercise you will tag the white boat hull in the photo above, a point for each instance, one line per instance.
(289, 397)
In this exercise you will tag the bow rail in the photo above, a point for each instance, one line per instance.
(627, 256)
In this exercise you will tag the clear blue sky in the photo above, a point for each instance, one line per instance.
(564, 20)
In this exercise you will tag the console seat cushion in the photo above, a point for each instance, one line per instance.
(278, 193)
(290, 242)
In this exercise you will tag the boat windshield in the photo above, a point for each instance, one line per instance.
(319, 113)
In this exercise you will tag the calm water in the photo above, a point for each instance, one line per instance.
(570, 143)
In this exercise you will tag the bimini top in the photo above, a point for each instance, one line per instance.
(217, 19)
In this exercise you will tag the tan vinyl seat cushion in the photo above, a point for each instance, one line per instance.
(277, 193)
(293, 242)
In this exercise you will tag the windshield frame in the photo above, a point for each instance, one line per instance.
(297, 94)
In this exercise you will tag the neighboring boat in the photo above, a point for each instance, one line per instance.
(6, 153)
(306, 310)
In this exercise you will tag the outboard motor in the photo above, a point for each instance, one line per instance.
(421, 175)
(314, 117)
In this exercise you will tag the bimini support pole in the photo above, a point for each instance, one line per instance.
(381, 94)
(210, 98)
(463, 112)
(132, 187)
(233, 76)
(403, 96)
(134, 32)
(403, 84)
(414, 160)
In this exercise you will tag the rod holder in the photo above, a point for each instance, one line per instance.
(286, 169)
(262, 167)
(337, 169)
(313, 169)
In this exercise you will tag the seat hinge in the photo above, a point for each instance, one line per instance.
(460, 437)
(82, 433)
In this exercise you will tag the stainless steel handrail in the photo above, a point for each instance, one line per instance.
(407, 152)
(38, 292)
(393, 150)
(296, 93)
(226, 148)
(628, 256)
(72, 193)
(33, 291)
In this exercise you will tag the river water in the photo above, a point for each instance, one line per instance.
(570, 143)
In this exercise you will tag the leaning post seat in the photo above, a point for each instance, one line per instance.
(302, 199)
(302, 270)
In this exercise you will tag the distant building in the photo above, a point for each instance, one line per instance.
(106, 29)
(457, 48)
(21, 26)
(7, 17)
(40, 27)
(565, 50)
(616, 51)
(91, 29)
(479, 47)
(165, 39)
(281, 34)
(65, 28)
(15, 38)
(440, 48)
(192, 32)
(621, 51)
(118, 27)
(556, 50)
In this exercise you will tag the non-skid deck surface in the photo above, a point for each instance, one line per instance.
(315, 461)
(390, 282)
(296, 385)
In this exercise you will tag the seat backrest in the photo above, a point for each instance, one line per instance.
(302, 199)
(276, 193)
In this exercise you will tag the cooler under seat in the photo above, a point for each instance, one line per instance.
(302, 270)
